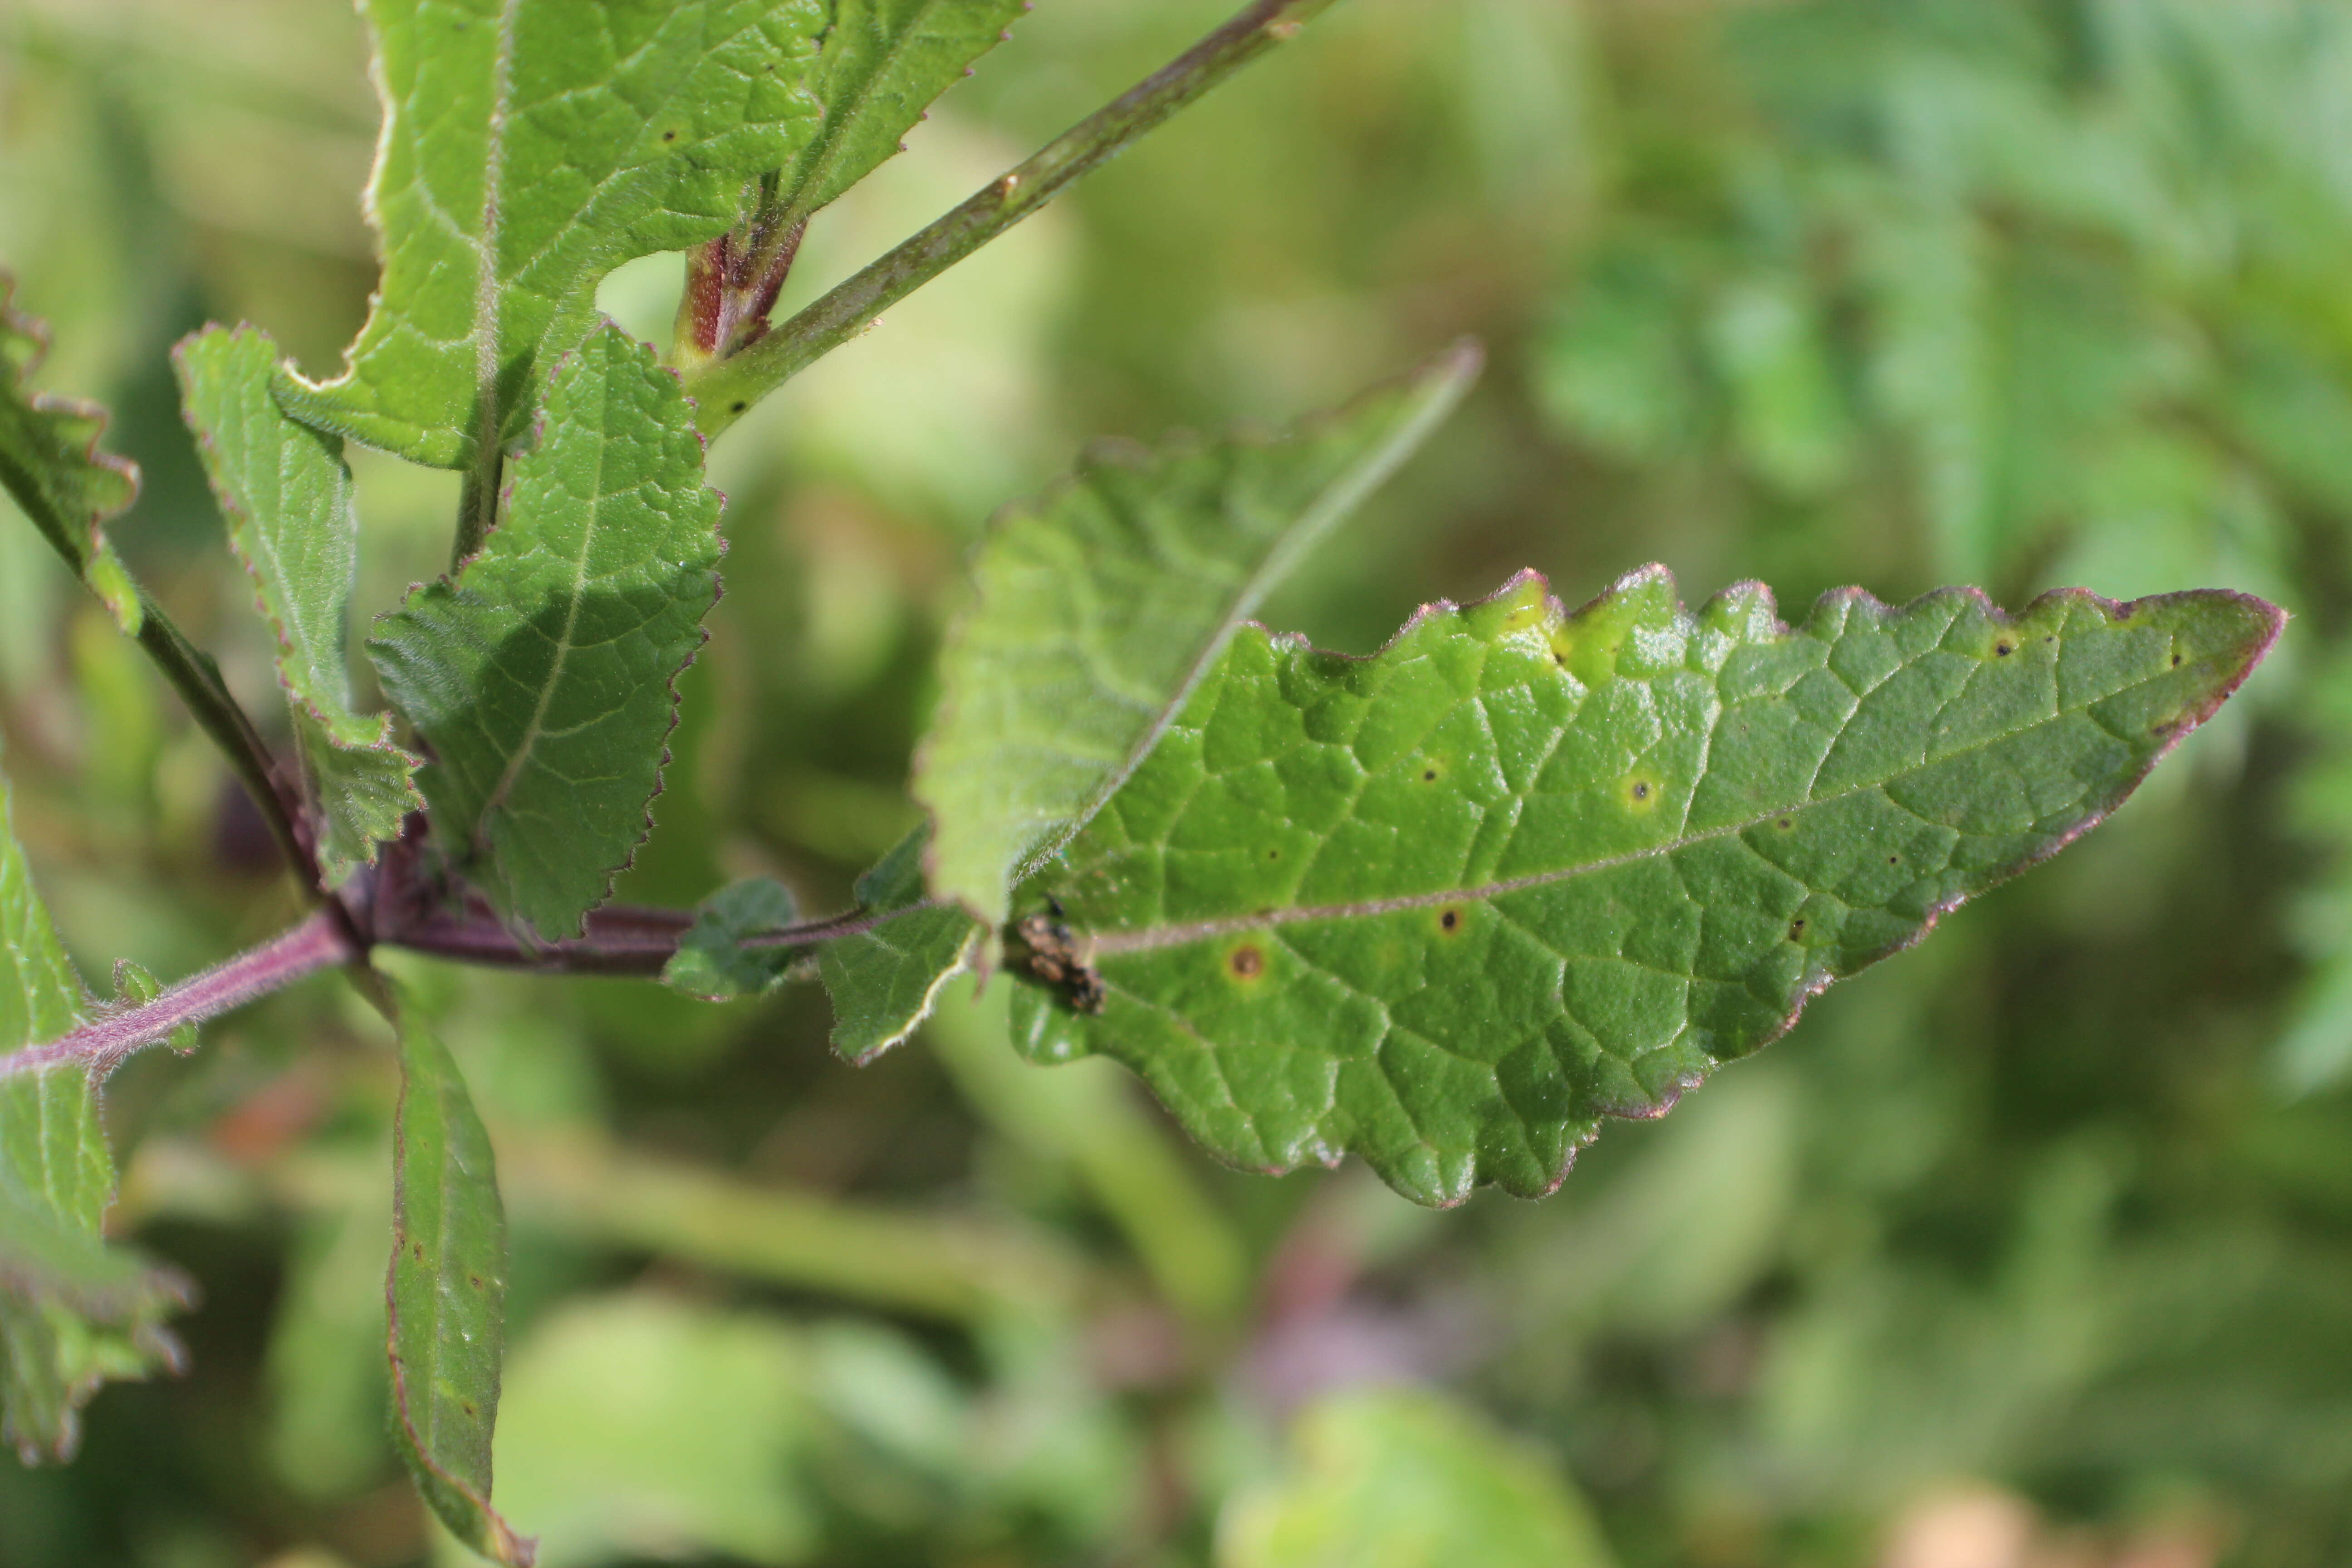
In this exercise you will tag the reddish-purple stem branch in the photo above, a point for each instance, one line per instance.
(320, 942)
(621, 939)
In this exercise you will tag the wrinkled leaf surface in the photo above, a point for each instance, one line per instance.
(286, 496)
(1448, 906)
(541, 675)
(1102, 606)
(531, 146)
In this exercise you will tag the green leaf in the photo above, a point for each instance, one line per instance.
(712, 963)
(1448, 906)
(1400, 1478)
(882, 63)
(884, 982)
(50, 463)
(529, 147)
(73, 1310)
(541, 676)
(1102, 606)
(446, 1293)
(286, 496)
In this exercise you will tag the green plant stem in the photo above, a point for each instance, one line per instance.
(724, 390)
(195, 676)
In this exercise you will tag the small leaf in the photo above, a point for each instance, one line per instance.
(286, 496)
(446, 1293)
(50, 463)
(529, 147)
(884, 982)
(711, 962)
(541, 678)
(73, 1310)
(882, 63)
(1403, 1479)
(1448, 906)
(1101, 607)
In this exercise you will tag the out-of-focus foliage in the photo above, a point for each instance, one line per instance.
(2038, 1239)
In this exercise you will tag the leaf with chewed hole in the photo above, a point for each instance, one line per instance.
(1101, 607)
(1448, 906)
(286, 496)
(543, 675)
(50, 462)
(74, 1311)
(529, 147)
(446, 1293)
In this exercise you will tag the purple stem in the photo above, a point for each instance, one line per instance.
(320, 942)
(623, 940)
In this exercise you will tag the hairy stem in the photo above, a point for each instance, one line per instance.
(725, 389)
(320, 941)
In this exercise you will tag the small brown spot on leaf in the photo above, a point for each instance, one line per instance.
(1785, 823)
(1273, 854)
(1428, 775)
(1796, 928)
(2176, 661)
(1450, 920)
(474, 1280)
(1641, 789)
(2003, 648)
(669, 135)
(417, 1248)
(1247, 962)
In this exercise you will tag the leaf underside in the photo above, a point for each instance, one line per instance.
(446, 1294)
(1448, 906)
(531, 146)
(541, 676)
(885, 981)
(286, 496)
(882, 63)
(50, 462)
(1100, 607)
(73, 1310)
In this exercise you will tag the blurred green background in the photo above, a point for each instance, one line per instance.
(2031, 1249)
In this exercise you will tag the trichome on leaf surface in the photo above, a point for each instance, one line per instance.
(1444, 907)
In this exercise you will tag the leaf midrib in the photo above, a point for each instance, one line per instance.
(1118, 943)
(1332, 502)
(834, 147)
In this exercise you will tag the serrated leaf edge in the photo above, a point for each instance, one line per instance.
(1441, 381)
(1530, 584)
(99, 568)
(384, 744)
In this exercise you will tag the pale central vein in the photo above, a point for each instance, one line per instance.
(1111, 944)
(487, 420)
(1333, 501)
